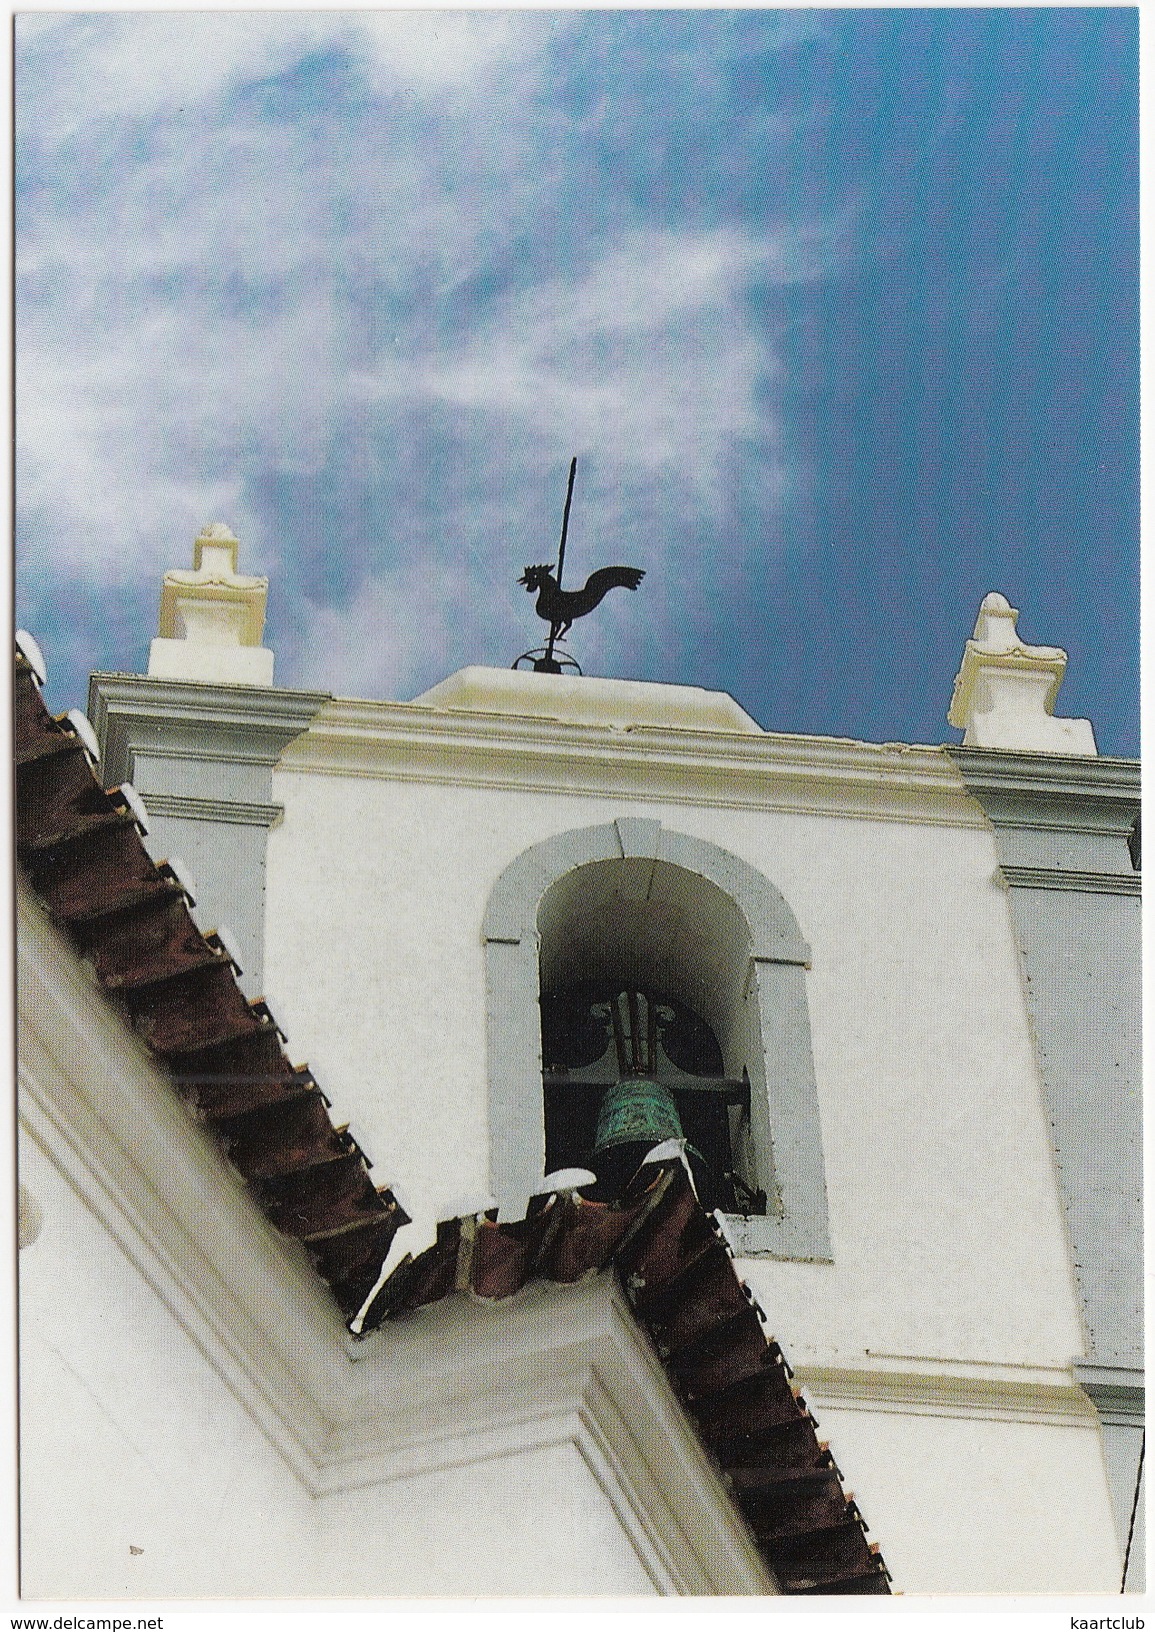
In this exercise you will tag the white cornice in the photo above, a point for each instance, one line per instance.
(194, 718)
(835, 776)
(918, 1385)
(274, 706)
(1086, 882)
(590, 700)
(551, 1366)
(1084, 799)
(1117, 1392)
(245, 812)
(1004, 770)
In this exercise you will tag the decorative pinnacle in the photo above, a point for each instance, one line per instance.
(212, 618)
(220, 544)
(1005, 690)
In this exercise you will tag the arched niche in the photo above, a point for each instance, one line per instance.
(631, 899)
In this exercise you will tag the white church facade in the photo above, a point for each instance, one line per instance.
(888, 995)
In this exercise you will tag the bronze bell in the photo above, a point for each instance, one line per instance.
(637, 1112)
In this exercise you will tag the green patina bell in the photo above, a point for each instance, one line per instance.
(636, 1111)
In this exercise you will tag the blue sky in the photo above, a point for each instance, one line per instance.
(837, 309)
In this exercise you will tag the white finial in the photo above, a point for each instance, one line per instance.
(1005, 690)
(995, 625)
(212, 618)
(215, 551)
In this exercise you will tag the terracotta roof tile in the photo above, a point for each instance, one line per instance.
(82, 851)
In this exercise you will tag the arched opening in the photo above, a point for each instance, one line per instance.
(634, 906)
(642, 939)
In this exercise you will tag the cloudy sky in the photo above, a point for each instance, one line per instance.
(837, 309)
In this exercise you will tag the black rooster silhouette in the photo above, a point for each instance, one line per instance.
(559, 607)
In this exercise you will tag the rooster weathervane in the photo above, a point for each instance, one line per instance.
(561, 607)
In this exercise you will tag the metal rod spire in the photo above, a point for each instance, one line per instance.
(565, 518)
(561, 550)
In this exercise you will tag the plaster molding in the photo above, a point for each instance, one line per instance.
(1118, 1393)
(193, 699)
(1063, 829)
(111, 1122)
(262, 759)
(1069, 777)
(1070, 878)
(512, 909)
(202, 755)
(792, 774)
(1060, 813)
(590, 699)
(451, 1423)
(1073, 818)
(918, 1386)
(667, 1496)
(245, 812)
(1096, 819)
(192, 718)
(552, 1366)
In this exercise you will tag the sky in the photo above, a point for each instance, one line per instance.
(837, 310)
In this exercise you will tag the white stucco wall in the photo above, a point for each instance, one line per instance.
(129, 1438)
(947, 1236)
(988, 1505)
(471, 1451)
(947, 1232)
(535, 1522)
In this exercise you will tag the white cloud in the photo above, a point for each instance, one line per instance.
(97, 67)
(650, 352)
(148, 422)
(401, 631)
(197, 305)
(208, 305)
(165, 393)
(435, 51)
